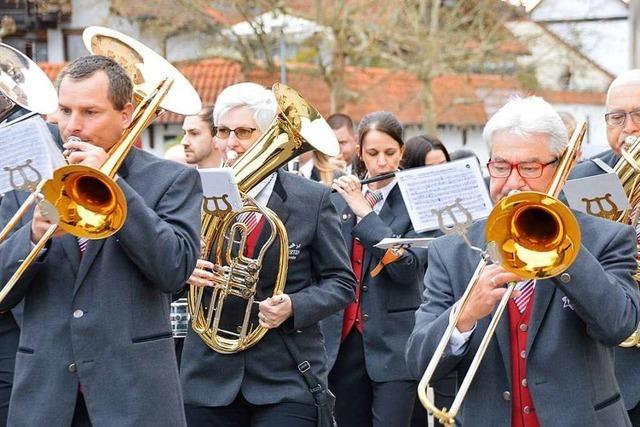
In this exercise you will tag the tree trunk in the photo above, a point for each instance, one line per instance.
(429, 118)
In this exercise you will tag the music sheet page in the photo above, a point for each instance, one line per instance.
(432, 188)
(27, 154)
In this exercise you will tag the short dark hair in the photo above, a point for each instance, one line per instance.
(338, 120)
(381, 121)
(206, 115)
(120, 86)
(416, 149)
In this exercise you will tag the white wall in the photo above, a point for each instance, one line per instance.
(552, 59)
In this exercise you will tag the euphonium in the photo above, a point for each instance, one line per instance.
(628, 171)
(535, 236)
(297, 128)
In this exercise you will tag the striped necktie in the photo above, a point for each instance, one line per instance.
(82, 244)
(373, 197)
(251, 220)
(526, 289)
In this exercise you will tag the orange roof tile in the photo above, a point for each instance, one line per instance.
(461, 100)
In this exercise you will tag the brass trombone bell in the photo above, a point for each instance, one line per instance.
(536, 235)
(24, 83)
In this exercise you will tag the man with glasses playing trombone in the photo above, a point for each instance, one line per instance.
(551, 361)
(623, 121)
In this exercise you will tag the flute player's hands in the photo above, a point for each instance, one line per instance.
(350, 189)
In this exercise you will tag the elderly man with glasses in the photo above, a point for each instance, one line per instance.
(623, 120)
(551, 361)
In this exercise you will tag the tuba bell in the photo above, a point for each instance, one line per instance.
(535, 236)
(86, 201)
(297, 128)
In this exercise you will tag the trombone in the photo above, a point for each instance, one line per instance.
(87, 201)
(536, 236)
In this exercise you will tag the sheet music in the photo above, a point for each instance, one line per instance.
(220, 191)
(417, 242)
(433, 187)
(28, 153)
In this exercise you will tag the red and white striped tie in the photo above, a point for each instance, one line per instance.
(373, 197)
(82, 244)
(526, 289)
(251, 220)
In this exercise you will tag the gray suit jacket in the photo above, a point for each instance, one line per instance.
(319, 282)
(573, 329)
(102, 320)
(388, 300)
(627, 359)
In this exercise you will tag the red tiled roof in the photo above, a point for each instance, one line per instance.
(460, 100)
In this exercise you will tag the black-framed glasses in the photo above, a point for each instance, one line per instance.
(502, 169)
(223, 132)
(618, 118)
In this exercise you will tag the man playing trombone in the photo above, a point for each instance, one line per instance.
(551, 362)
(96, 346)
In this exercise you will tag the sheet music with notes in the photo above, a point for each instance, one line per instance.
(28, 153)
(434, 187)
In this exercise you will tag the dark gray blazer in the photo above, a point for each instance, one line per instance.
(319, 282)
(102, 320)
(627, 359)
(573, 330)
(388, 300)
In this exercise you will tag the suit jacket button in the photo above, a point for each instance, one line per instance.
(72, 368)
(78, 314)
(506, 395)
(365, 317)
(565, 277)
(365, 288)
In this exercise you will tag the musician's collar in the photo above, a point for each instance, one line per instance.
(384, 190)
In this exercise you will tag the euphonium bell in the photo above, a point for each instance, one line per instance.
(297, 128)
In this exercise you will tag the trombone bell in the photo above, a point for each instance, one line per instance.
(89, 203)
(536, 235)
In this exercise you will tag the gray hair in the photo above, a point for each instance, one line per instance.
(256, 98)
(627, 78)
(526, 116)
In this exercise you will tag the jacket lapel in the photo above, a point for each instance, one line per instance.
(387, 215)
(71, 249)
(277, 204)
(543, 294)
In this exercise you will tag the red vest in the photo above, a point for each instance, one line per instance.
(522, 410)
(352, 315)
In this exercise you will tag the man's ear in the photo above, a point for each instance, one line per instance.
(127, 114)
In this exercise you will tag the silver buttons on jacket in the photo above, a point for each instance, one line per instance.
(78, 313)
(565, 277)
(506, 395)
(72, 368)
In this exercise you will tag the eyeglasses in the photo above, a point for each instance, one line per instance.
(223, 132)
(502, 169)
(618, 118)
